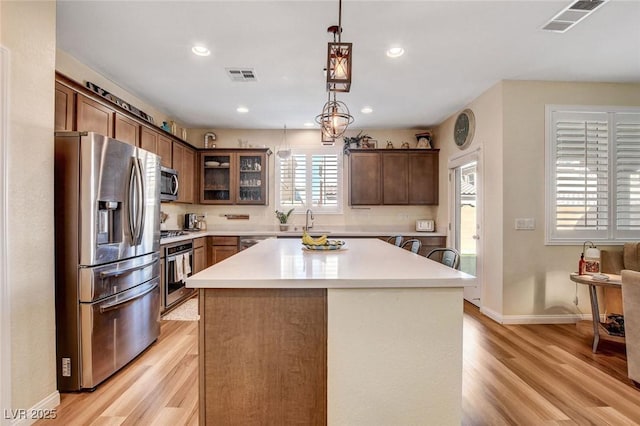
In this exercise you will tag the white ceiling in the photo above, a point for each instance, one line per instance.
(455, 50)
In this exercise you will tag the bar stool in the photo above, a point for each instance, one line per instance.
(415, 245)
(396, 240)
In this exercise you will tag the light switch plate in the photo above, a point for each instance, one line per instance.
(526, 223)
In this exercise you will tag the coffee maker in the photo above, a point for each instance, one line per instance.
(190, 222)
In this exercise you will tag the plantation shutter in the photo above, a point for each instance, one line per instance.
(292, 182)
(310, 178)
(627, 170)
(324, 182)
(580, 159)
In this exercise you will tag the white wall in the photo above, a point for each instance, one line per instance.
(28, 31)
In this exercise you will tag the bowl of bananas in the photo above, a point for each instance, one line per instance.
(320, 243)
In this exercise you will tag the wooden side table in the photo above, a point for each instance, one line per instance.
(614, 281)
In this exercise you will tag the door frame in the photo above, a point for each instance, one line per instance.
(5, 303)
(454, 162)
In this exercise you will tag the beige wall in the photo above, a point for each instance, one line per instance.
(28, 31)
(264, 215)
(487, 141)
(536, 276)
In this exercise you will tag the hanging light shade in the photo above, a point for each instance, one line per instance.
(339, 66)
(339, 58)
(335, 118)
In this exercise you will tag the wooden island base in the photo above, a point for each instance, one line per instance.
(330, 356)
(263, 356)
(370, 335)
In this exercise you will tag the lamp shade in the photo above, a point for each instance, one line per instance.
(592, 260)
(339, 58)
(334, 119)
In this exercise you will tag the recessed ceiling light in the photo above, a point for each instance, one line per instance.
(200, 50)
(242, 109)
(308, 124)
(395, 52)
(366, 110)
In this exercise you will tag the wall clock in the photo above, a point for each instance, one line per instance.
(464, 128)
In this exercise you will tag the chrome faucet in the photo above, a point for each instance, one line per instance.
(306, 221)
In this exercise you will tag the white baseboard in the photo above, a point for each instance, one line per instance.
(31, 415)
(535, 319)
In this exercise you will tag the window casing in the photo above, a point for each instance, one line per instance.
(311, 178)
(592, 174)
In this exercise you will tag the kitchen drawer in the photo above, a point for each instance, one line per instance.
(198, 242)
(223, 241)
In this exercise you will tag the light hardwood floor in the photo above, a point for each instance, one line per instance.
(513, 375)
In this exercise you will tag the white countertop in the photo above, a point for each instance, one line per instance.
(331, 230)
(362, 263)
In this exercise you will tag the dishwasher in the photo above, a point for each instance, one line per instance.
(246, 242)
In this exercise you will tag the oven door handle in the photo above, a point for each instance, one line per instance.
(104, 275)
(172, 258)
(128, 300)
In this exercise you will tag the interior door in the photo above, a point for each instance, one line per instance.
(465, 221)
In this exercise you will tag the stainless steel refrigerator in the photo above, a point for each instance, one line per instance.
(107, 220)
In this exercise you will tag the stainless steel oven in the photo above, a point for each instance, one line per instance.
(178, 265)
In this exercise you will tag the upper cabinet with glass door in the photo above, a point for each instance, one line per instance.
(234, 177)
(252, 187)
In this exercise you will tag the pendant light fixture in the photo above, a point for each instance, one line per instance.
(284, 152)
(339, 57)
(335, 118)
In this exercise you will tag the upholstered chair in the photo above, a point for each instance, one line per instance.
(631, 303)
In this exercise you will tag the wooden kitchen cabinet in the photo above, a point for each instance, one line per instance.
(157, 143)
(394, 177)
(64, 108)
(365, 177)
(234, 177)
(199, 254)
(423, 178)
(93, 116)
(220, 248)
(126, 130)
(184, 164)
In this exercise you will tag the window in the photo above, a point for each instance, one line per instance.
(593, 174)
(310, 178)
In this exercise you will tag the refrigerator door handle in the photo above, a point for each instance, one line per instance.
(136, 203)
(118, 304)
(132, 207)
(140, 202)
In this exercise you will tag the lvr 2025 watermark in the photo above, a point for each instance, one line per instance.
(33, 414)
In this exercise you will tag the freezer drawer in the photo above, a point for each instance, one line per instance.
(117, 329)
(102, 281)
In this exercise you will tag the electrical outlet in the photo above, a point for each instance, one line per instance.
(66, 367)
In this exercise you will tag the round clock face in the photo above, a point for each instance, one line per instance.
(464, 128)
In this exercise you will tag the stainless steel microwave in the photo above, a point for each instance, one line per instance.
(169, 184)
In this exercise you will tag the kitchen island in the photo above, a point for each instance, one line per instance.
(370, 334)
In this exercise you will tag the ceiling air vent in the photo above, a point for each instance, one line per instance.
(572, 14)
(241, 74)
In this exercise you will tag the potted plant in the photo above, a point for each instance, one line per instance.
(354, 141)
(283, 218)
